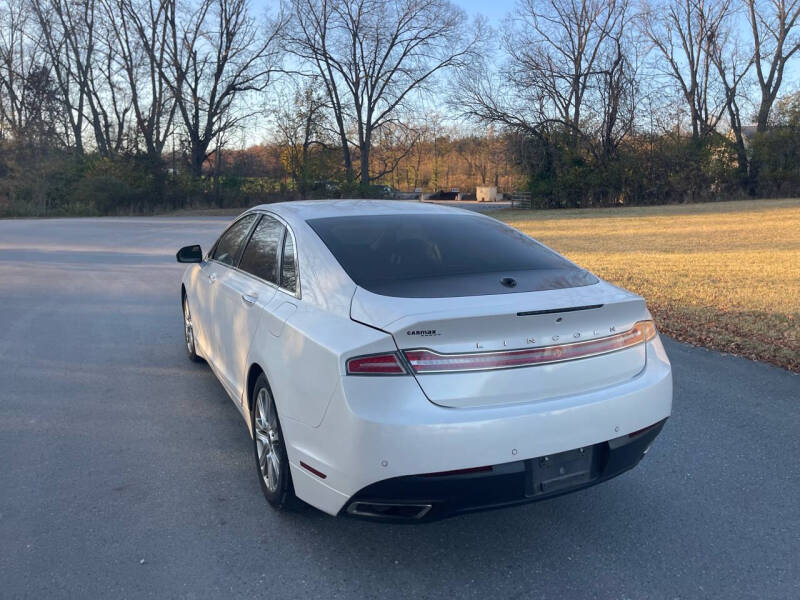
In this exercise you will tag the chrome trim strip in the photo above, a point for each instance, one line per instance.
(529, 349)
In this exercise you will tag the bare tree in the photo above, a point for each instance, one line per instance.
(216, 54)
(301, 126)
(733, 61)
(23, 75)
(85, 68)
(556, 50)
(568, 70)
(414, 159)
(371, 55)
(773, 24)
(483, 154)
(68, 68)
(139, 35)
(684, 34)
(395, 140)
(618, 86)
(109, 91)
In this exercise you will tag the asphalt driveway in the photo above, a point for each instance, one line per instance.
(125, 471)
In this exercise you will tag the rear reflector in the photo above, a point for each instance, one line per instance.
(376, 364)
(428, 361)
(311, 469)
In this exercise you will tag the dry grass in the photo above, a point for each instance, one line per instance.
(723, 275)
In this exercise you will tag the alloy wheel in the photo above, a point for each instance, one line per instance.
(187, 327)
(267, 440)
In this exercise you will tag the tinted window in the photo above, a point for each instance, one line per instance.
(227, 249)
(288, 265)
(424, 255)
(261, 254)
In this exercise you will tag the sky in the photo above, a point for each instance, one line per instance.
(494, 10)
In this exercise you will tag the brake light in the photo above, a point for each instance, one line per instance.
(376, 364)
(428, 361)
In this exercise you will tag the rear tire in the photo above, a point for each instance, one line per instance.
(188, 332)
(272, 462)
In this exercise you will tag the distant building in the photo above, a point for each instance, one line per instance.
(486, 193)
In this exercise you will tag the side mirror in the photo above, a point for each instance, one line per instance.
(190, 254)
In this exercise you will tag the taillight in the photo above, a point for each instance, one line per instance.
(428, 361)
(376, 364)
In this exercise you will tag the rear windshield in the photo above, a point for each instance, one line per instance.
(438, 256)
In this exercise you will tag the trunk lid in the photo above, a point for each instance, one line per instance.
(502, 323)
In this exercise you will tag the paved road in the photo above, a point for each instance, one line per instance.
(126, 472)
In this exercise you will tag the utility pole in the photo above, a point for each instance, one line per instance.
(435, 161)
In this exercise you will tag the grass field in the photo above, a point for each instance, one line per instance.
(723, 275)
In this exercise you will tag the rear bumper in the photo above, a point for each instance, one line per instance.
(383, 429)
(428, 497)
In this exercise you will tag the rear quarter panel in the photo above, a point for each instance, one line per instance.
(305, 363)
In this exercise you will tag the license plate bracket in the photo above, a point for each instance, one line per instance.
(564, 470)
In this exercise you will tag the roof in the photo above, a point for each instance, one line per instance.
(309, 209)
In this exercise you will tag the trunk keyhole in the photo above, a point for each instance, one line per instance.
(509, 282)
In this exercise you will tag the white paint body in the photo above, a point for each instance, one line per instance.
(358, 430)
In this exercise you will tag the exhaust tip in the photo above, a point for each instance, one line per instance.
(382, 510)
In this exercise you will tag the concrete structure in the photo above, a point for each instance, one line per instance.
(486, 193)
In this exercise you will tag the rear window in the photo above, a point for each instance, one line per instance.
(260, 256)
(438, 256)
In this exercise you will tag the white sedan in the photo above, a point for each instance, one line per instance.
(405, 361)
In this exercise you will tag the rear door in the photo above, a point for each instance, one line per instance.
(245, 294)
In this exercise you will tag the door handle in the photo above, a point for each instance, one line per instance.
(250, 298)
(212, 277)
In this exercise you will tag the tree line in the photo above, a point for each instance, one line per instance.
(136, 105)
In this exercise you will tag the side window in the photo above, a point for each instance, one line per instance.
(260, 257)
(289, 265)
(229, 244)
